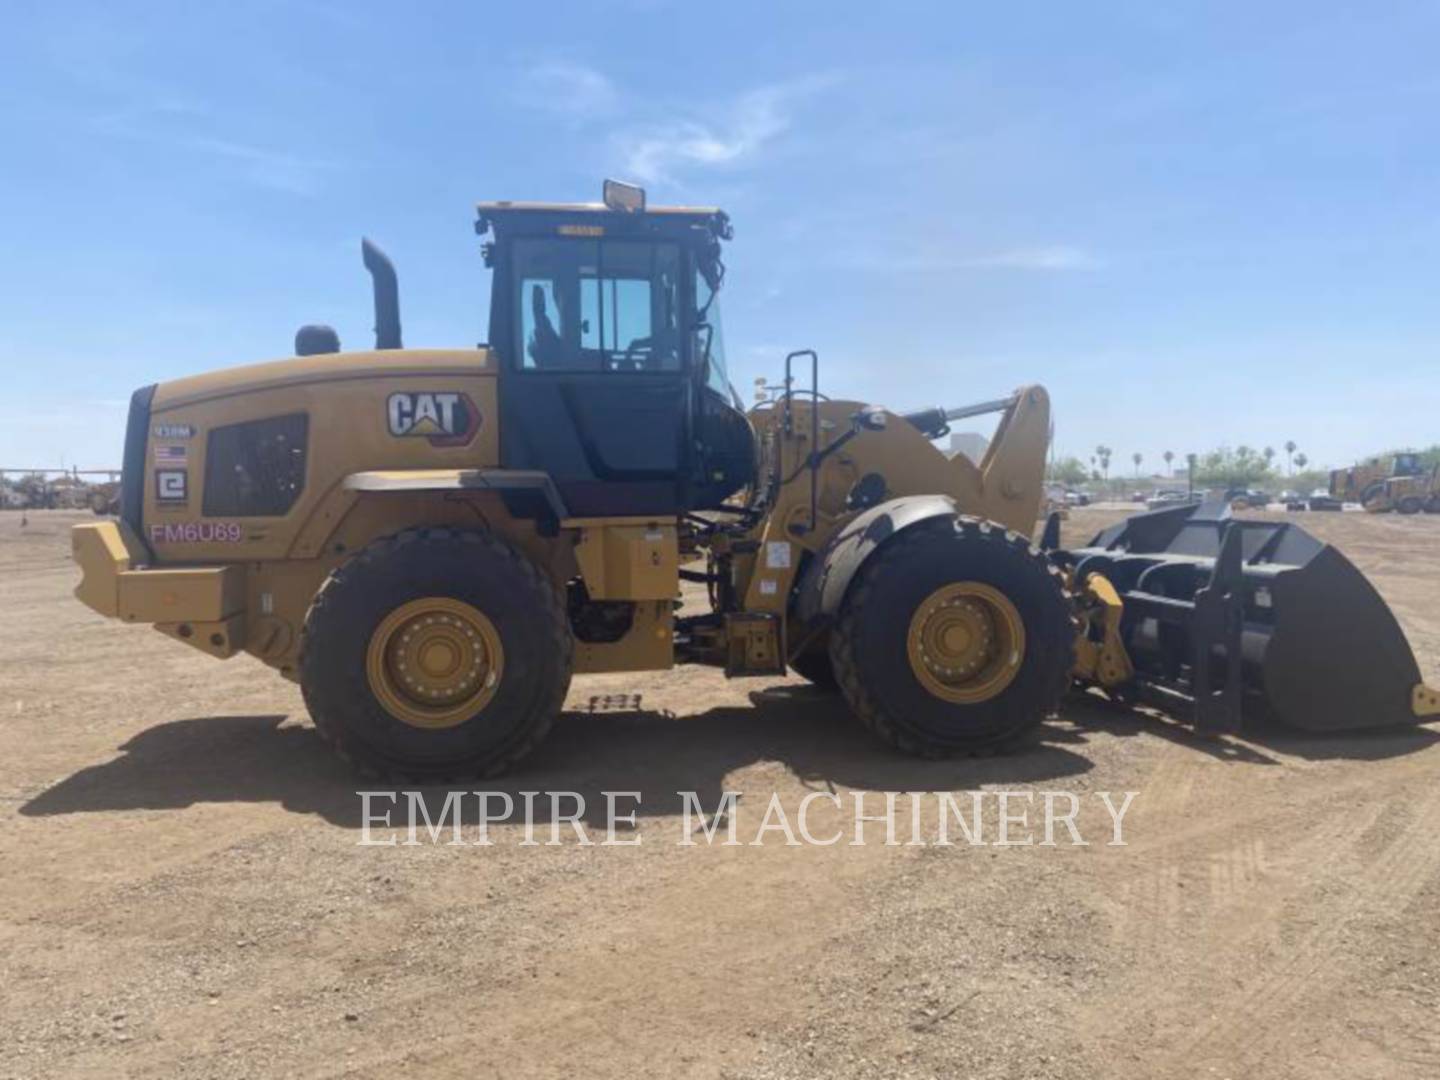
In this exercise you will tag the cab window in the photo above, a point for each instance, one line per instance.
(597, 305)
(708, 334)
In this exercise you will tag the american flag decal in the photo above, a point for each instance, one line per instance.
(170, 455)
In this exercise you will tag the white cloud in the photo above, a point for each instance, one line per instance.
(1057, 257)
(742, 130)
(272, 169)
(563, 87)
(1053, 258)
(172, 123)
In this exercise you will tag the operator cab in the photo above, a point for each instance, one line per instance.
(1407, 465)
(606, 332)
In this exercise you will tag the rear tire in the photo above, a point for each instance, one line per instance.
(1411, 504)
(871, 644)
(511, 605)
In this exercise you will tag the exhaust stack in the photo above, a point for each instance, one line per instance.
(387, 295)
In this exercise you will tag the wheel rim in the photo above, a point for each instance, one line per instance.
(435, 662)
(965, 643)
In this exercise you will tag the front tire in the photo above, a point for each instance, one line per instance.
(956, 637)
(1373, 498)
(435, 654)
(814, 666)
(1410, 504)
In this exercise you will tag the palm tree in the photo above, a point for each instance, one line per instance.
(1290, 453)
(1104, 453)
(1269, 452)
(1137, 457)
(1301, 461)
(1169, 456)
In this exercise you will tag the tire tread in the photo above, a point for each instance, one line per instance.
(899, 552)
(332, 728)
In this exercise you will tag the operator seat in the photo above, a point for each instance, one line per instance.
(546, 347)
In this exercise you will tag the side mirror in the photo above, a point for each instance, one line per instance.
(870, 418)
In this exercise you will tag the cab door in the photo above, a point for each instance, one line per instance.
(595, 388)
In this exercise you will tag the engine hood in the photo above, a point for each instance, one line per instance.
(329, 367)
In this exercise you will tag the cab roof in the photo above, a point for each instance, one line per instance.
(598, 219)
(506, 206)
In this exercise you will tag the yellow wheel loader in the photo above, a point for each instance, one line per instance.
(431, 542)
(1407, 493)
(1401, 483)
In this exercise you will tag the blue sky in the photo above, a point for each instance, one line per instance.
(1194, 223)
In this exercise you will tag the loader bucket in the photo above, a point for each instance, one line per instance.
(1225, 620)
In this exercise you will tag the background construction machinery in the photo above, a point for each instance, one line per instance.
(1409, 493)
(1399, 482)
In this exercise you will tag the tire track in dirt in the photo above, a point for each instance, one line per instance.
(744, 919)
(1225, 866)
(1245, 1024)
(1424, 1051)
(1237, 871)
(1150, 902)
(1210, 882)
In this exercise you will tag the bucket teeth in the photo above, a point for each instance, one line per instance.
(1426, 702)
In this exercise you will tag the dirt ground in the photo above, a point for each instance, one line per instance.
(184, 893)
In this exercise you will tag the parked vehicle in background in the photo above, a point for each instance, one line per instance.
(1140, 496)
(1247, 499)
(1055, 503)
(105, 499)
(1164, 499)
(1320, 499)
(1077, 498)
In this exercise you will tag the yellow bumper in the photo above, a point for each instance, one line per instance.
(202, 606)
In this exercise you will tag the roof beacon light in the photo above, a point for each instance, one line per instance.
(619, 195)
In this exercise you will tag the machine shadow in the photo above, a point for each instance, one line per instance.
(265, 759)
(1261, 741)
(810, 733)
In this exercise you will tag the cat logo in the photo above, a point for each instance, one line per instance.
(446, 419)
